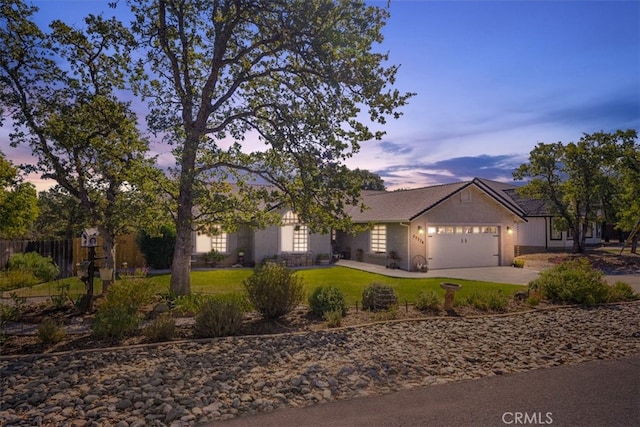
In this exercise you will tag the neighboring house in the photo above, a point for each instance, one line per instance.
(475, 223)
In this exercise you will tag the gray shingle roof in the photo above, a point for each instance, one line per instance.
(405, 205)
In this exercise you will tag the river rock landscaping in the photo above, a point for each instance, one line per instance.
(184, 383)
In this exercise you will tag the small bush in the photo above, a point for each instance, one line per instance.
(518, 263)
(572, 281)
(379, 296)
(49, 332)
(161, 329)
(218, 318)
(486, 301)
(15, 279)
(274, 290)
(533, 299)
(621, 291)
(118, 316)
(327, 299)
(60, 300)
(428, 300)
(333, 318)
(41, 267)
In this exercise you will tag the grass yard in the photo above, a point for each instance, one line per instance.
(351, 282)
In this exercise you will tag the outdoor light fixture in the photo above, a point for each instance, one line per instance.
(509, 230)
(420, 230)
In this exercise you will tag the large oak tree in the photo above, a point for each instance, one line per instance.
(302, 77)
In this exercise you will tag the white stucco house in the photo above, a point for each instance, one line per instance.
(473, 223)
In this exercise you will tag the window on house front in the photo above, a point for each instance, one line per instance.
(300, 238)
(294, 237)
(379, 239)
(219, 241)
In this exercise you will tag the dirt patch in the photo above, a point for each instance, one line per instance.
(608, 261)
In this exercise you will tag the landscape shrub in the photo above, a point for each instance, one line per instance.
(41, 267)
(162, 328)
(333, 318)
(379, 296)
(428, 300)
(485, 301)
(118, 316)
(49, 332)
(274, 290)
(16, 279)
(327, 299)
(621, 291)
(573, 281)
(218, 318)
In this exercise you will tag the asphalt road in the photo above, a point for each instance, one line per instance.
(600, 393)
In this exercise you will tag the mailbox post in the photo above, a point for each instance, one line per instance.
(89, 239)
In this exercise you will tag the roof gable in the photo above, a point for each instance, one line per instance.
(406, 205)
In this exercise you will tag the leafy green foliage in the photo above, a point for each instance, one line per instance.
(428, 300)
(621, 291)
(18, 202)
(50, 332)
(485, 301)
(327, 299)
(14, 279)
(162, 328)
(118, 316)
(581, 181)
(274, 290)
(218, 318)
(573, 281)
(158, 249)
(333, 318)
(41, 267)
(379, 296)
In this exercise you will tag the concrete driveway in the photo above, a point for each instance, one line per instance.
(511, 275)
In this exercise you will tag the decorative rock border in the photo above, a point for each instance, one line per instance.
(199, 381)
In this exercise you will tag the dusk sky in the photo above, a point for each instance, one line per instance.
(493, 78)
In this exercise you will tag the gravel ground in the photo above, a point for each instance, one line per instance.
(201, 381)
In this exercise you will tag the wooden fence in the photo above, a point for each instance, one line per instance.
(66, 254)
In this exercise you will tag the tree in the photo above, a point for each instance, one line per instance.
(61, 216)
(60, 89)
(628, 200)
(18, 201)
(294, 74)
(577, 180)
(369, 180)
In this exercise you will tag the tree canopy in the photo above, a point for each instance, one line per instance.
(302, 78)
(62, 91)
(585, 181)
(18, 202)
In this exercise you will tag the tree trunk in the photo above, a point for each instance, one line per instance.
(181, 268)
(577, 248)
(109, 252)
(634, 244)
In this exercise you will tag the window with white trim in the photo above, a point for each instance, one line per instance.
(379, 239)
(294, 236)
(219, 240)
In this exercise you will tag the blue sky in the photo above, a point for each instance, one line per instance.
(493, 78)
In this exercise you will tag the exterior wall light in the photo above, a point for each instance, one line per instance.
(509, 230)
(420, 230)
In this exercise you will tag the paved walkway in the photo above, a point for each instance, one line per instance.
(601, 393)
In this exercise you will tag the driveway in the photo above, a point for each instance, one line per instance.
(511, 275)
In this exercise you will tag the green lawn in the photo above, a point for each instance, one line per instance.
(351, 282)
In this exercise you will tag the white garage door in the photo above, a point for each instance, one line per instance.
(455, 246)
